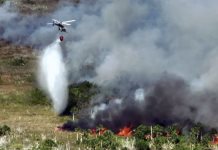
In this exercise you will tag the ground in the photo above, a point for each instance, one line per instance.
(38, 6)
(30, 122)
(17, 67)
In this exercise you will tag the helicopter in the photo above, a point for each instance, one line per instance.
(61, 24)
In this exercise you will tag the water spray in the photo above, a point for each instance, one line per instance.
(53, 76)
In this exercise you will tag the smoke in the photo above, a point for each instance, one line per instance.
(157, 58)
(53, 76)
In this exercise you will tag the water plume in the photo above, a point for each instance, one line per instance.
(53, 76)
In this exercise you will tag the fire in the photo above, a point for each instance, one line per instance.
(100, 131)
(125, 131)
(215, 140)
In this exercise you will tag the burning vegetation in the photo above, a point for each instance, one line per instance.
(124, 128)
(149, 137)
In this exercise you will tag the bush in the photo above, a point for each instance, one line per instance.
(31, 2)
(37, 97)
(206, 139)
(4, 130)
(195, 133)
(105, 141)
(159, 141)
(47, 144)
(174, 132)
(158, 130)
(141, 131)
(80, 94)
(141, 145)
(19, 61)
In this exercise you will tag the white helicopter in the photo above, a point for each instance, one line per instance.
(61, 24)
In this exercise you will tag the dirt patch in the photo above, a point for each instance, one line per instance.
(8, 49)
(39, 6)
(10, 88)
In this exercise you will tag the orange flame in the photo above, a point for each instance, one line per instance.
(100, 131)
(215, 140)
(125, 131)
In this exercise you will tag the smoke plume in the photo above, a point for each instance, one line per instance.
(157, 59)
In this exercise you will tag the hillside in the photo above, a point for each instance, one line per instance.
(24, 109)
(38, 6)
(17, 67)
(128, 114)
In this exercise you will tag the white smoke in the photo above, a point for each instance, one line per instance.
(96, 109)
(139, 95)
(123, 44)
(53, 76)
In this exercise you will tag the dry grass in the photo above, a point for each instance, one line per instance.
(38, 6)
(14, 74)
(31, 125)
(30, 121)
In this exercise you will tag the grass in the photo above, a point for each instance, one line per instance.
(15, 62)
(32, 124)
(31, 97)
(24, 109)
(17, 71)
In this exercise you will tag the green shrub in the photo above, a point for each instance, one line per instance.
(4, 130)
(80, 94)
(141, 131)
(31, 2)
(195, 133)
(18, 61)
(105, 141)
(47, 144)
(159, 141)
(36, 97)
(158, 130)
(141, 144)
(173, 131)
